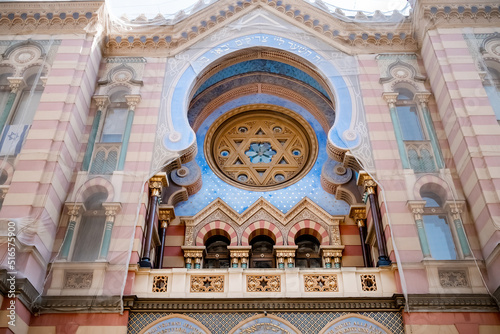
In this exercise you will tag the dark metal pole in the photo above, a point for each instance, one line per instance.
(146, 253)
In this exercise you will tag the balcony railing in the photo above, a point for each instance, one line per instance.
(264, 283)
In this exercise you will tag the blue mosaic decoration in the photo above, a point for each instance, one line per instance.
(305, 322)
(260, 153)
(262, 65)
(283, 199)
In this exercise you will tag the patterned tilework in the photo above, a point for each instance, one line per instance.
(262, 65)
(307, 323)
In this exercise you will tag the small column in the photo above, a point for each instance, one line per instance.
(74, 210)
(332, 256)
(156, 184)
(391, 99)
(358, 213)
(165, 216)
(417, 207)
(102, 101)
(285, 256)
(456, 208)
(193, 256)
(14, 84)
(423, 100)
(239, 256)
(111, 209)
(132, 101)
(370, 188)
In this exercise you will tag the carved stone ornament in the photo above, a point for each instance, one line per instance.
(15, 83)
(368, 282)
(423, 98)
(132, 101)
(78, 280)
(211, 283)
(74, 209)
(453, 279)
(263, 283)
(160, 283)
(417, 208)
(367, 182)
(390, 98)
(321, 283)
(111, 210)
(101, 101)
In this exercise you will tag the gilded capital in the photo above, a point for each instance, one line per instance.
(157, 182)
(367, 182)
(165, 216)
(111, 210)
(422, 98)
(417, 208)
(101, 101)
(390, 98)
(132, 101)
(74, 209)
(15, 83)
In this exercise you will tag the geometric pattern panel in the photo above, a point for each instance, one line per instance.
(305, 322)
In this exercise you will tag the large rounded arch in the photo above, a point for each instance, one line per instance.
(180, 83)
(265, 322)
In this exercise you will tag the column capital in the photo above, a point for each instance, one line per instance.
(44, 81)
(101, 100)
(74, 209)
(193, 251)
(422, 97)
(367, 182)
(455, 208)
(132, 101)
(157, 182)
(166, 214)
(417, 208)
(285, 251)
(390, 98)
(15, 83)
(111, 209)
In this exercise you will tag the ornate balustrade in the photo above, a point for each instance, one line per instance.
(259, 283)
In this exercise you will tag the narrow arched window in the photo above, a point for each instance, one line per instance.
(262, 254)
(116, 118)
(217, 254)
(307, 252)
(28, 101)
(90, 230)
(437, 229)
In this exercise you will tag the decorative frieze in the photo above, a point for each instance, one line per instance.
(263, 283)
(321, 283)
(207, 283)
(453, 279)
(368, 282)
(160, 283)
(78, 280)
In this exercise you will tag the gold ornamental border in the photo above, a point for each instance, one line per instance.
(291, 116)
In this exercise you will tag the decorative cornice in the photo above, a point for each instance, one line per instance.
(432, 14)
(47, 17)
(25, 291)
(428, 302)
(452, 302)
(394, 303)
(345, 34)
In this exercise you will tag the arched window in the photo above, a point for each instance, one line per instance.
(262, 255)
(28, 101)
(437, 229)
(4, 90)
(408, 115)
(90, 230)
(116, 118)
(217, 254)
(492, 87)
(307, 252)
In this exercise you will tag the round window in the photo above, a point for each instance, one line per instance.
(261, 148)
